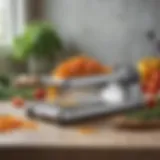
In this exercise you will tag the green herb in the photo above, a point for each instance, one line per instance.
(145, 114)
(9, 92)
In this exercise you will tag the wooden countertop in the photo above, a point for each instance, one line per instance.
(104, 135)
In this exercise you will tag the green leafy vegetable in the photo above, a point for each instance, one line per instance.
(39, 40)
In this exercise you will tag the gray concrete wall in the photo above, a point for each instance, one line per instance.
(114, 31)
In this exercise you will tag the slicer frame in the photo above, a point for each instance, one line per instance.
(84, 110)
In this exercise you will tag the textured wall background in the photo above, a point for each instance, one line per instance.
(114, 31)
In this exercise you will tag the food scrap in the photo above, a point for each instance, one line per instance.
(18, 102)
(87, 130)
(9, 123)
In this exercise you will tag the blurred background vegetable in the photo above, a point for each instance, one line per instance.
(40, 41)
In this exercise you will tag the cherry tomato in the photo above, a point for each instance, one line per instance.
(40, 94)
(18, 102)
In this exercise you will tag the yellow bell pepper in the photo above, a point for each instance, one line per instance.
(143, 70)
(154, 63)
(147, 65)
(52, 94)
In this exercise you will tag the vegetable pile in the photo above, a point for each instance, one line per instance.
(150, 82)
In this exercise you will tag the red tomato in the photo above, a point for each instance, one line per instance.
(151, 103)
(18, 102)
(159, 80)
(40, 94)
(155, 76)
(152, 87)
(156, 79)
(144, 87)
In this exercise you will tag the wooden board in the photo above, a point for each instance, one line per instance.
(104, 135)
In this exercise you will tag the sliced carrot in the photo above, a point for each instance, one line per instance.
(10, 123)
(87, 130)
(29, 125)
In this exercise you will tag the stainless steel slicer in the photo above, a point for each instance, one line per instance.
(119, 91)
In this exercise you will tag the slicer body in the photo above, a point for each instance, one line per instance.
(124, 84)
